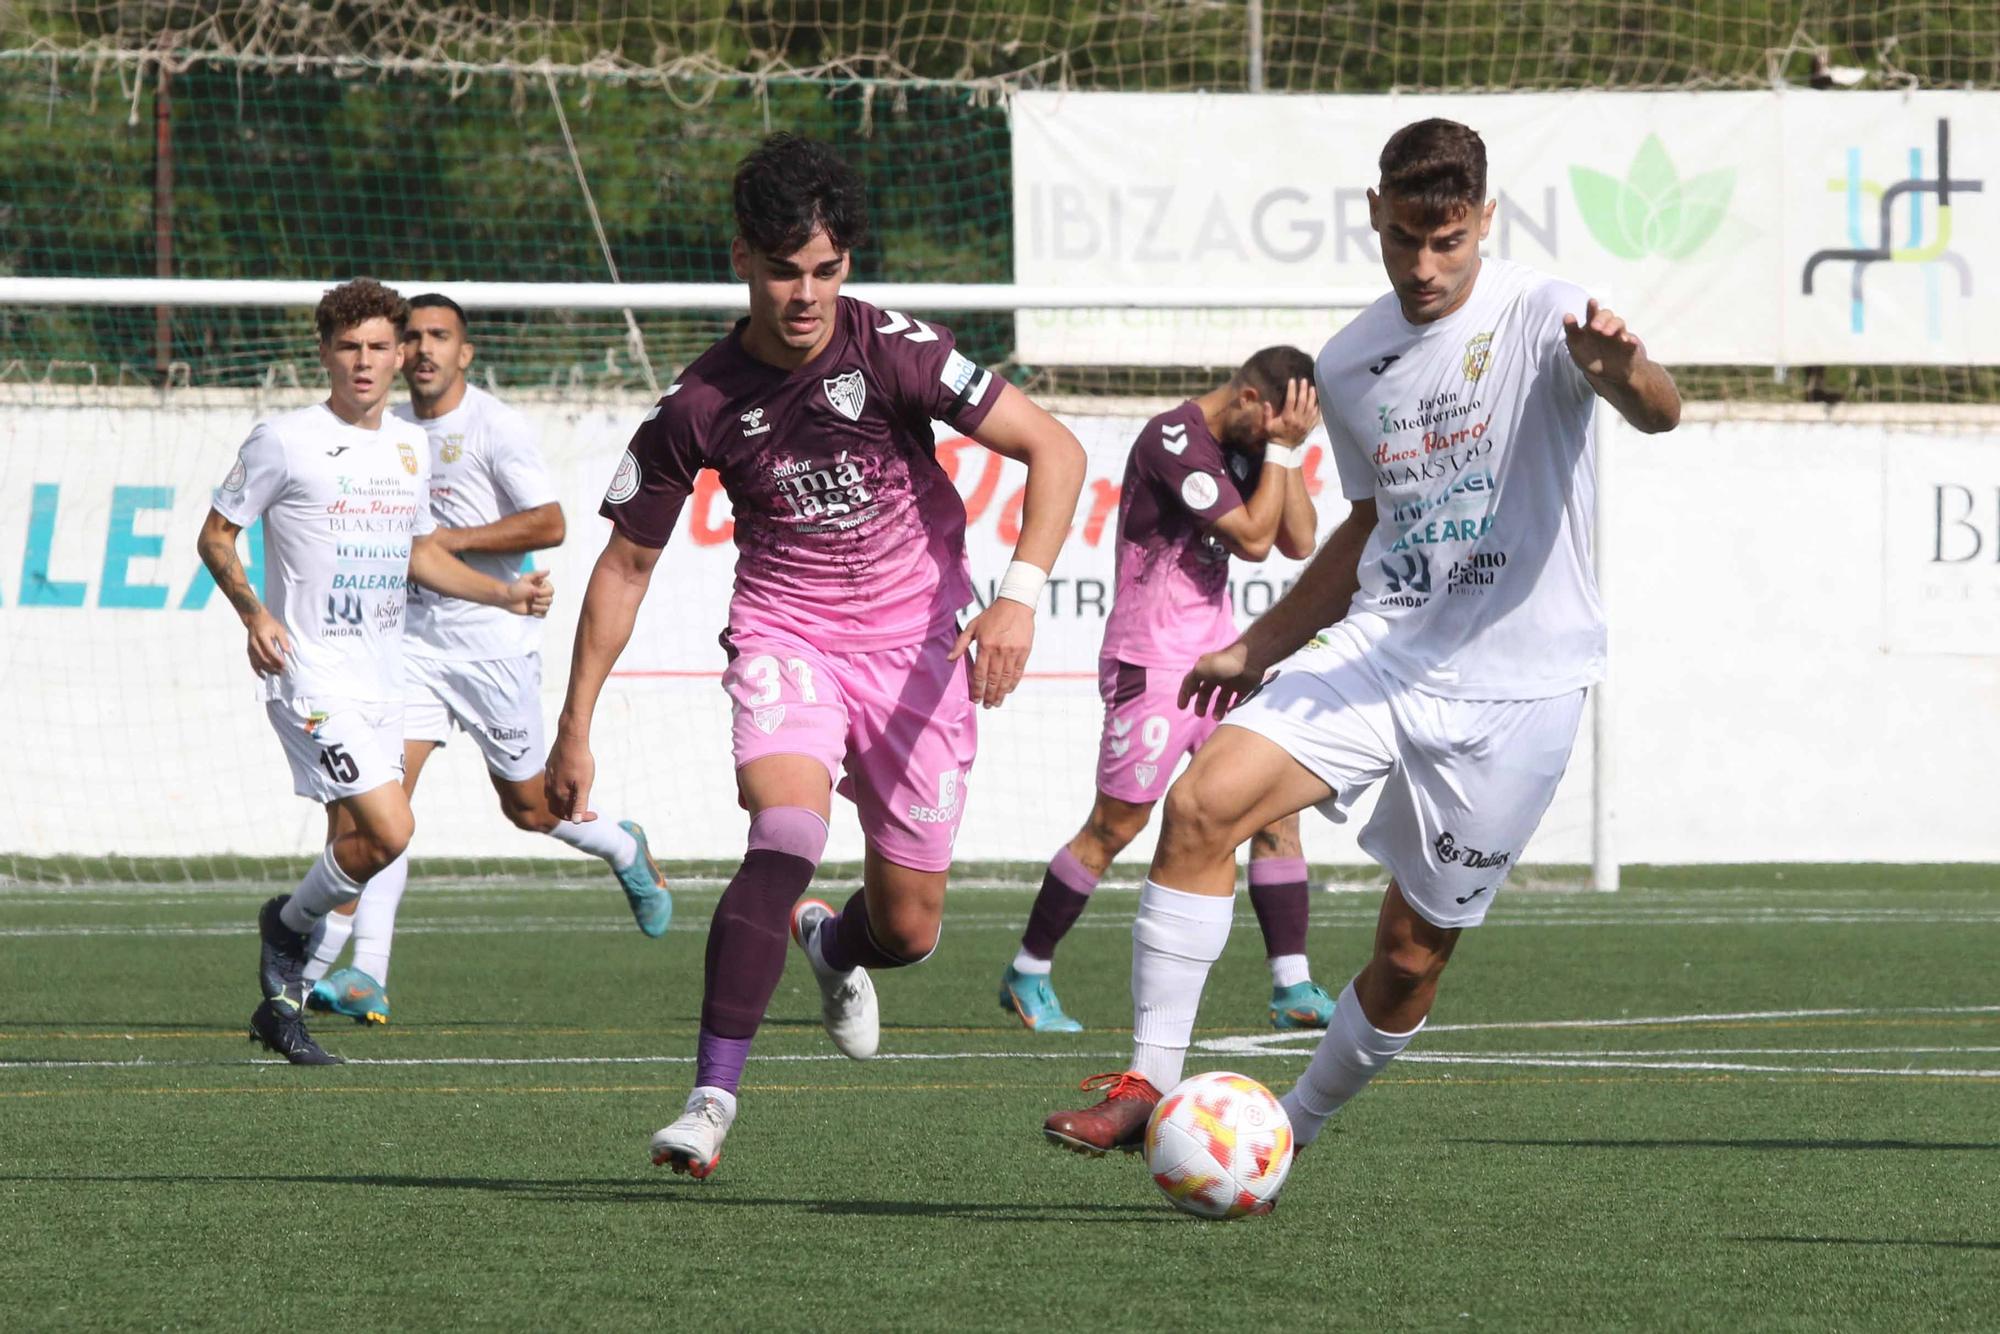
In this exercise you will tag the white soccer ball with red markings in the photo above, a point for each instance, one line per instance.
(1219, 1146)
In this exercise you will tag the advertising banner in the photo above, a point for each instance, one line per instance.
(1773, 228)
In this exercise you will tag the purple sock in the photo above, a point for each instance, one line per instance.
(718, 1061)
(1065, 890)
(747, 935)
(1280, 898)
(847, 942)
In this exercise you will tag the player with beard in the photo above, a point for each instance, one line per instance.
(344, 495)
(1219, 476)
(470, 668)
(845, 661)
(1441, 643)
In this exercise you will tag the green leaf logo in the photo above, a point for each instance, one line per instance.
(1652, 211)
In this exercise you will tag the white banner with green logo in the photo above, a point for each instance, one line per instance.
(1775, 228)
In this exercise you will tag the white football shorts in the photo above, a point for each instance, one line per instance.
(1464, 782)
(339, 748)
(498, 701)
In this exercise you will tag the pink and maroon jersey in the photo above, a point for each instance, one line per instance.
(848, 533)
(1172, 599)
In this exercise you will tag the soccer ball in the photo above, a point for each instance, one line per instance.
(1219, 1145)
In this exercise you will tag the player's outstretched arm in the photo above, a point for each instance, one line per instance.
(537, 529)
(441, 572)
(1613, 359)
(611, 601)
(1251, 528)
(1319, 598)
(1001, 636)
(269, 644)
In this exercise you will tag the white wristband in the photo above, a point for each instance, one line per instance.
(1285, 456)
(1023, 584)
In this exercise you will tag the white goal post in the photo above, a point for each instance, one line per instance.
(673, 296)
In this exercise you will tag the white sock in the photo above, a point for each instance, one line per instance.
(1025, 962)
(1175, 940)
(329, 938)
(601, 837)
(375, 919)
(1353, 1052)
(1288, 970)
(324, 888)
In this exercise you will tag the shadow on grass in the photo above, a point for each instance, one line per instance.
(620, 1190)
(1779, 1145)
(1878, 1241)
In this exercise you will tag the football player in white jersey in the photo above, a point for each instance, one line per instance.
(344, 495)
(469, 667)
(1440, 644)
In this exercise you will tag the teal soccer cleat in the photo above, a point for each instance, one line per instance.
(645, 888)
(353, 993)
(1029, 997)
(1301, 1005)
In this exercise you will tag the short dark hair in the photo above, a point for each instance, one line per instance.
(1269, 371)
(357, 302)
(1438, 165)
(792, 185)
(439, 301)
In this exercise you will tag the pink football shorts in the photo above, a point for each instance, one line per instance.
(899, 721)
(1146, 731)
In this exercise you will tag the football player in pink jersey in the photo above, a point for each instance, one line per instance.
(846, 663)
(1216, 477)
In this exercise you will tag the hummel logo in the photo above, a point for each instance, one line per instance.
(336, 453)
(898, 322)
(1174, 437)
(753, 422)
(1118, 748)
(1121, 726)
(1385, 363)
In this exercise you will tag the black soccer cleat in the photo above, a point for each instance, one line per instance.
(281, 958)
(281, 1027)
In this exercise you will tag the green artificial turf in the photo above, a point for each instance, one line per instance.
(1745, 1097)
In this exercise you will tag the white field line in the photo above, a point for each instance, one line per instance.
(1103, 921)
(1263, 1045)
(1415, 1058)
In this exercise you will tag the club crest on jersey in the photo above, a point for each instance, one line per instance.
(238, 475)
(452, 448)
(769, 719)
(1478, 352)
(409, 457)
(753, 422)
(1145, 773)
(847, 392)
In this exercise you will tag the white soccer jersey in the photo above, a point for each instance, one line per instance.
(1473, 437)
(340, 506)
(484, 467)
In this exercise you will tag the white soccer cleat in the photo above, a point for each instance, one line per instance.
(847, 1000)
(693, 1144)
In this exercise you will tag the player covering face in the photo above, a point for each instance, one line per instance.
(844, 659)
(344, 495)
(1219, 476)
(1440, 644)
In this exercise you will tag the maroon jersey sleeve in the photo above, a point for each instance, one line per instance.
(921, 366)
(657, 473)
(1185, 468)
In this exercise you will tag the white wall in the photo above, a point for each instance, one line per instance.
(1776, 606)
